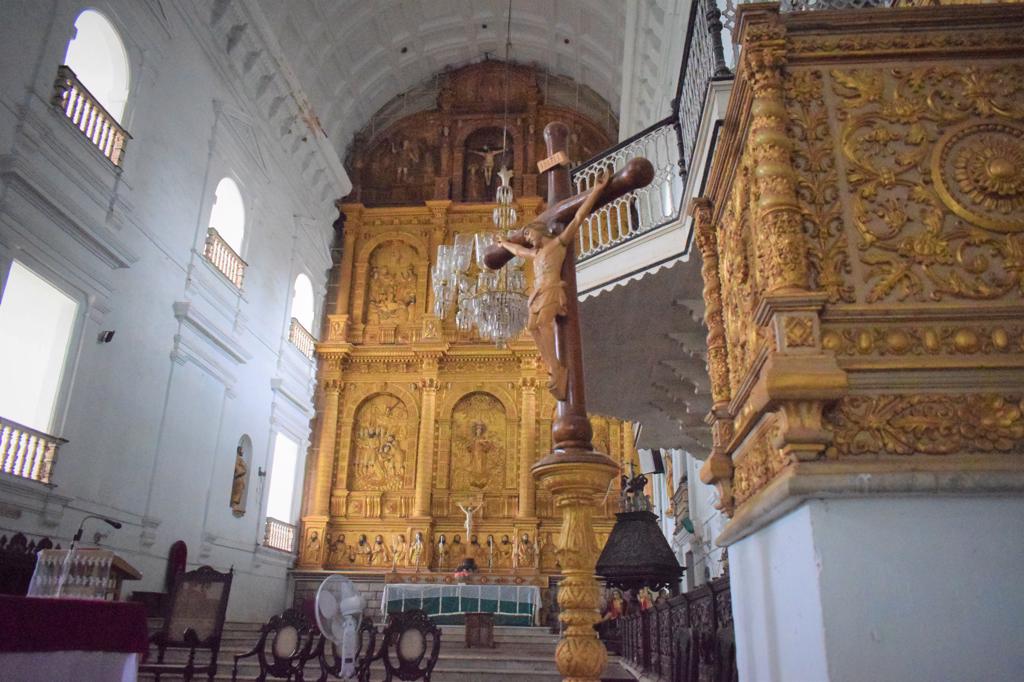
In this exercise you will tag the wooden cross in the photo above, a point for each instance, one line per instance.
(571, 429)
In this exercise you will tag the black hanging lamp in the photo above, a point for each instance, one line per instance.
(637, 553)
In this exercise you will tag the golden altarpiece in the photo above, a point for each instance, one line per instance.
(417, 420)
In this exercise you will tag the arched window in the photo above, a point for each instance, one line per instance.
(228, 214)
(302, 301)
(97, 56)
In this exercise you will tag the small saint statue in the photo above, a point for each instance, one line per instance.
(399, 551)
(238, 483)
(416, 551)
(524, 554)
(549, 297)
(490, 553)
(442, 553)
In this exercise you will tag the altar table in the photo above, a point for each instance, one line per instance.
(448, 604)
(70, 639)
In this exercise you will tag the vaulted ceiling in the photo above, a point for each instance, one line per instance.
(354, 56)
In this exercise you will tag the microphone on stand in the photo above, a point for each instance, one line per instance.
(81, 526)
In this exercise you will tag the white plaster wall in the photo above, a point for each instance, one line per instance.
(919, 589)
(776, 604)
(152, 418)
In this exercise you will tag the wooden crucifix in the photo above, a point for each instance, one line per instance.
(549, 239)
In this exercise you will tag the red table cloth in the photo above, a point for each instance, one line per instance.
(31, 624)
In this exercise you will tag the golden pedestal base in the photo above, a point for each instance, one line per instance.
(577, 481)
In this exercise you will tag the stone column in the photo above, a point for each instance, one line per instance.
(527, 449)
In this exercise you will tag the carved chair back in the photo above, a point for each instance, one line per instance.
(285, 644)
(193, 621)
(409, 647)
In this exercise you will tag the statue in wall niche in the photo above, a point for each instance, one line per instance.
(379, 554)
(399, 551)
(458, 550)
(442, 552)
(416, 551)
(363, 552)
(408, 154)
(525, 553)
(313, 544)
(505, 551)
(549, 298)
(478, 443)
(239, 483)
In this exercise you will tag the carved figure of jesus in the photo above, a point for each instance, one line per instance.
(488, 155)
(469, 518)
(548, 299)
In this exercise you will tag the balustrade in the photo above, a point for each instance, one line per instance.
(26, 452)
(224, 258)
(687, 638)
(279, 535)
(640, 210)
(301, 338)
(88, 115)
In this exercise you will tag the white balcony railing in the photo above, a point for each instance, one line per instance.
(88, 115)
(224, 258)
(279, 535)
(301, 338)
(638, 211)
(26, 452)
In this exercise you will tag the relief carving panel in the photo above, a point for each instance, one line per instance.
(383, 444)
(479, 437)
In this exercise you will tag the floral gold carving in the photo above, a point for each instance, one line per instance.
(978, 170)
(933, 158)
(817, 184)
(759, 463)
(924, 340)
(927, 424)
(718, 367)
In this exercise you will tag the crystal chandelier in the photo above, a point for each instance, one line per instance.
(492, 302)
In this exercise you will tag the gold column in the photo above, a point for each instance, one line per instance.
(577, 481)
(527, 449)
(425, 449)
(318, 504)
(353, 215)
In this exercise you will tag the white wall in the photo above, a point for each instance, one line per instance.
(154, 417)
(883, 589)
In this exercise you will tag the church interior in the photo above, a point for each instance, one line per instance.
(666, 340)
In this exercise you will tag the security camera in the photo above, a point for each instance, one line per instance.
(106, 337)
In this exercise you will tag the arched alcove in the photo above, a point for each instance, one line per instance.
(228, 214)
(97, 56)
(479, 443)
(302, 301)
(482, 159)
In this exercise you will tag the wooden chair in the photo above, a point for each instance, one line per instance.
(291, 644)
(193, 622)
(330, 662)
(409, 648)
